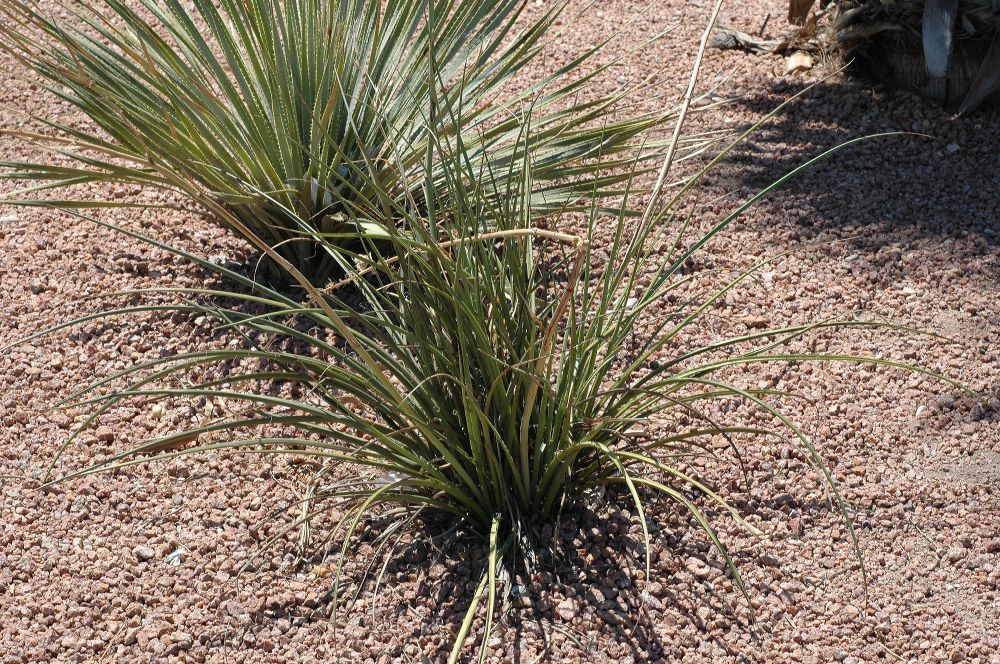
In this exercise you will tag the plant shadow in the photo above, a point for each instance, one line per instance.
(921, 173)
(589, 578)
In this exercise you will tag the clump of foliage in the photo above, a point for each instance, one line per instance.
(494, 371)
(289, 114)
(473, 362)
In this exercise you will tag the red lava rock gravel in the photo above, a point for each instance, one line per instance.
(163, 563)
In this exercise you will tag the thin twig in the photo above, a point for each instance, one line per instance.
(763, 26)
(685, 105)
(887, 650)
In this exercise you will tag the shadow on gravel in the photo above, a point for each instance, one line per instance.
(587, 583)
(964, 408)
(940, 184)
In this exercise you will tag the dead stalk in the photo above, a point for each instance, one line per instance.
(685, 105)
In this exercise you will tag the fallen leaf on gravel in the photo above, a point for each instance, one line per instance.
(174, 557)
(798, 62)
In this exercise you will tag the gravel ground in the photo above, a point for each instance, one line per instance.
(901, 228)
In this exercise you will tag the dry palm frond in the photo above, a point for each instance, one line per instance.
(946, 50)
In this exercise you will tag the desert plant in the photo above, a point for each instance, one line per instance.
(494, 372)
(286, 113)
(474, 363)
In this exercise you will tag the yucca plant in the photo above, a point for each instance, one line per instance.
(495, 371)
(287, 113)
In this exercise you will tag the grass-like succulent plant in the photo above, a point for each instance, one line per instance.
(472, 362)
(286, 113)
(495, 371)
